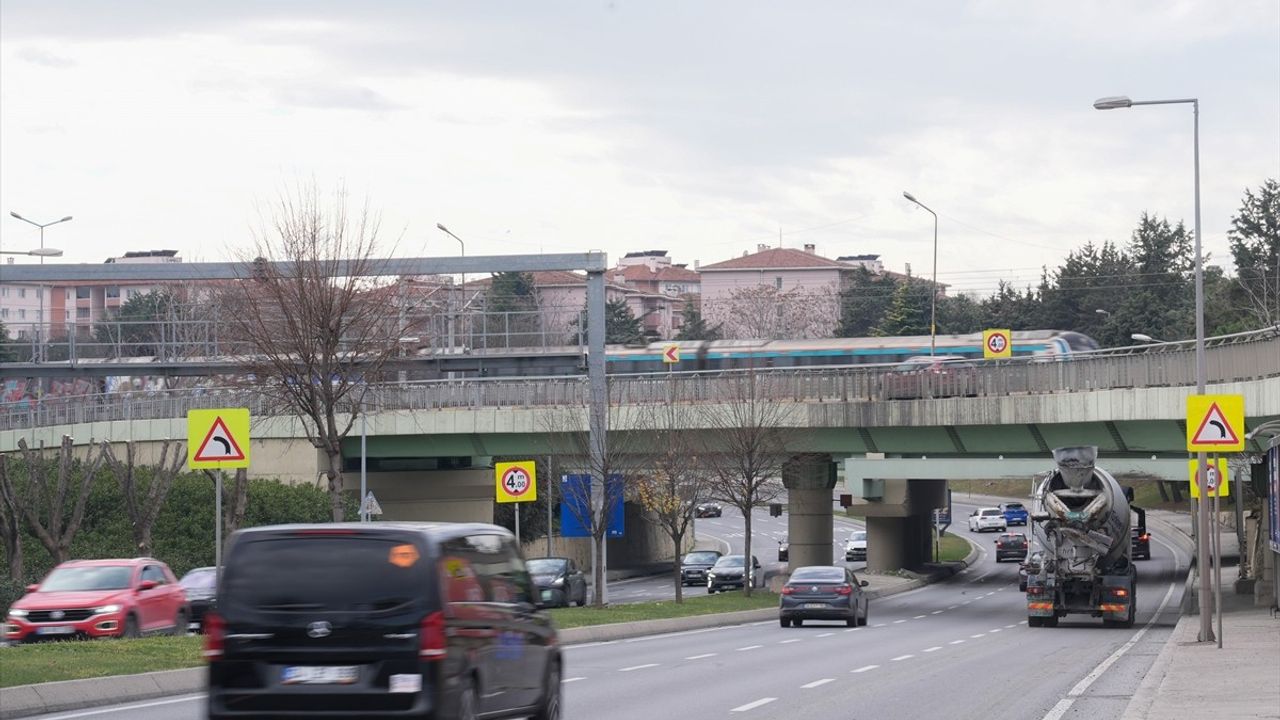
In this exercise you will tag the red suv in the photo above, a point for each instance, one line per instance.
(100, 598)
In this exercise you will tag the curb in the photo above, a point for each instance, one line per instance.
(26, 700)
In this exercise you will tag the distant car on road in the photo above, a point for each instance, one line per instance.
(100, 598)
(1140, 541)
(1015, 513)
(1011, 546)
(558, 581)
(784, 549)
(708, 510)
(728, 573)
(200, 587)
(855, 548)
(984, 519)
(694, 566)
(821, 592)
(923, 376)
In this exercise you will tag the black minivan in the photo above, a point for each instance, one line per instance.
(379, 620)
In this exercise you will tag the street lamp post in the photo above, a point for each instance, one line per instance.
(463, 281)
(1202, 507)
(41, 254)
(933, 294)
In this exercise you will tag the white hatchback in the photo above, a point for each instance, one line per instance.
(984, 519)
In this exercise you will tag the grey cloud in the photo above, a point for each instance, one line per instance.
(332, 96)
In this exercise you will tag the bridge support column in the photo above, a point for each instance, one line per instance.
(809, 479)
(905, 538)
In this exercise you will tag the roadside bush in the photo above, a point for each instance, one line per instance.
(184, 530)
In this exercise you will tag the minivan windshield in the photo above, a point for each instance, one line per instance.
(102, 577)
(309, 573)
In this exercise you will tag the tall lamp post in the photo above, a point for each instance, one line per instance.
(42, 227)
(1202, 506)
(933, 294)
(446, 231)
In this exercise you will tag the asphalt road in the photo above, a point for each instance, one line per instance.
(960, 647)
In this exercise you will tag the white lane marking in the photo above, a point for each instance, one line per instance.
(1022, 622)
(895, 622)
(1006, 627)
(749, 647)
(826, 634)
(878, 625)
(919, 617)
(975, 637)
(902, 657)
(638, 667)
(936, 612)
(572, 679)
(996, 630)
(952, 607)
(864, 668)
(1065, 703)
(955, 642)
(816, 683)
(699, 657)
(590, 644)
(139, 706)
(753, 705)
(935, 648)
(784, 642)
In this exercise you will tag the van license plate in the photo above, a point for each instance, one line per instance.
(319, 675)
(56, 630)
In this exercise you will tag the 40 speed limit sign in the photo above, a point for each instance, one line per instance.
(516, 481)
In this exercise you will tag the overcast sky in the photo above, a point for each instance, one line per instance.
(702, 128)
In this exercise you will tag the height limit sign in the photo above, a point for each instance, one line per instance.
(516, 481)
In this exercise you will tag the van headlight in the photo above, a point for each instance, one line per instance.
(104, 609)
(17, 612)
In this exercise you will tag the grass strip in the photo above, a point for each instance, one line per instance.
(952, 547)
(696, 602)
(78, 659)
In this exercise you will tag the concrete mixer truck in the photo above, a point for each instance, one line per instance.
(1080, 515)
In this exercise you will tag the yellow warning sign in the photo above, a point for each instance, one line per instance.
(1215, 423)
(218, 438)
(997, 344)
(516, 481)
(1217, 480)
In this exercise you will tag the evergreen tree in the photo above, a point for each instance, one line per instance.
(908, 312)
(512, 305)
(864, 302)
(620, 326)
(1159, 295)
(695, 326)
(1255, 247)
(1008, 308)
(959, 315)
(6, 353)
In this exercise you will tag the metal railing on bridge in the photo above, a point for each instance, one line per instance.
(1244, 361)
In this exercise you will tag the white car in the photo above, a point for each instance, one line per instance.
(984, 519)
(855, 548)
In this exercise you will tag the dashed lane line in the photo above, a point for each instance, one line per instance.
(937, 612)
(864, 668)
(638, 667)
(792, 640)
(572, 679)
(935, 648)
(919, 617)
(826, 634)
(975, 637)
(753, 705)
(817, 683)
(902, 657)
(955, 642)
(749, 647)
(895, 622)
(703, 655)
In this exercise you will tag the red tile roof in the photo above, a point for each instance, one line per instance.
(777, 259)
(642, 273)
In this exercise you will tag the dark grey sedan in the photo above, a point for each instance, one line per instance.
(694, 566)
(823, 592)
(559, 581)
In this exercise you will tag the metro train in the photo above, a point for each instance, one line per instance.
(732, 354)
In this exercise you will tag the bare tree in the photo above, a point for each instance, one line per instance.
(10, 523)
(747, 443)
(767, 312)
(144, 499)
(56, 529)
(317, 335)
(677, 476)
(590, 503)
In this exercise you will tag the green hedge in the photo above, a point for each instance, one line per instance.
(183, 533)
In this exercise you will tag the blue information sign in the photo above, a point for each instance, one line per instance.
(1273, 477)
(575, 508)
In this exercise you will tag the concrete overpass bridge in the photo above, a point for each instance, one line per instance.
(429, 443)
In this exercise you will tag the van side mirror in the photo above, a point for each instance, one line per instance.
(146, 585)
(32, 587)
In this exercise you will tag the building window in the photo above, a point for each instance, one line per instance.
(4, 313)
(39, 293)
(777, 283)
(68, 293)
(113, 291)
(82, 313)
(22, 292)
(4, 292)
(82, 293)
(66, 315)
(22, 313)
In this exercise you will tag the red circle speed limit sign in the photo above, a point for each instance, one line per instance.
(516, 481)
(995, 344)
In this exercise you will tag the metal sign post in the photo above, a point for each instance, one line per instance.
(1217, 550)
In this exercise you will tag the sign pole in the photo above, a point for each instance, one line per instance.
(1217, 551)
(550, 489)
(364, 483)
(217, 521)
(517, 524)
